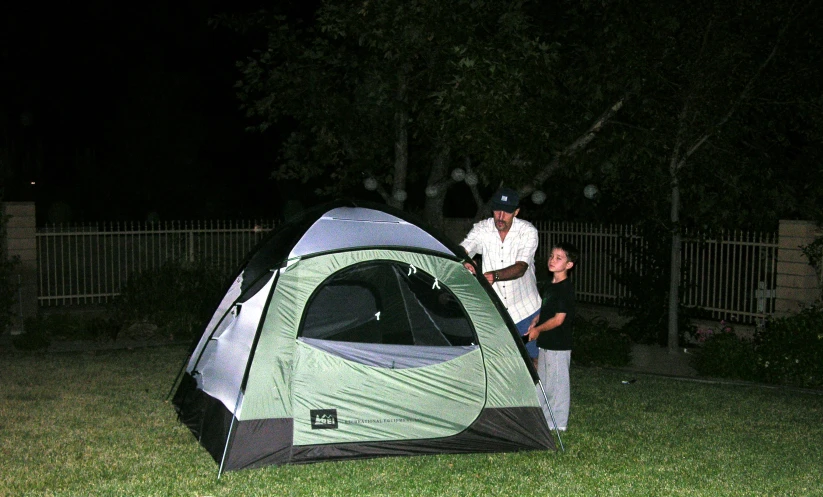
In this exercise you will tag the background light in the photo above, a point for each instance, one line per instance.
(590, 191)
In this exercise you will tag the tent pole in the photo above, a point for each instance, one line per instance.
(194, 348)
(228, 437)
(247, 369)
(551, 414)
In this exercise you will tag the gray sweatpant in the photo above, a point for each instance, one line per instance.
(553, 370)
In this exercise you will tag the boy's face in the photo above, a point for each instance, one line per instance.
(559, 262)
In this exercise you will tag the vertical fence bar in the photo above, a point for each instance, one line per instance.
(96, 268)
(190, 242)
(63, 269)
(747, 294)
(735, 283)
(116, 265)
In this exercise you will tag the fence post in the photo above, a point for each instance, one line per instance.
(797, 284)
(21, 241)
(191, 244)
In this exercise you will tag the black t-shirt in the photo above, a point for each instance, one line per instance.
(559, 298)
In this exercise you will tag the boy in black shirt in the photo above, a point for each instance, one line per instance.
(552, 329)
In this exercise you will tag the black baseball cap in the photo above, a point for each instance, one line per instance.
(506, 200)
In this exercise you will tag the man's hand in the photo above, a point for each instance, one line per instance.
(469, 266)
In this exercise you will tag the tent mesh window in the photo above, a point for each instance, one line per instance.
(386, 302)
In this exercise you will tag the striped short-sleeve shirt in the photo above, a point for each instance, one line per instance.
(520, 296)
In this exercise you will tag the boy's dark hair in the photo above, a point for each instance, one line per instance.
(572, 253)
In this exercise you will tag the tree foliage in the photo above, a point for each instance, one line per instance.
(707, 116)
(460, 80)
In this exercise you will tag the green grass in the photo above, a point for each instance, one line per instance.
(97, 424)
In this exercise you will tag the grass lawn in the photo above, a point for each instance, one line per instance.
(96, 424)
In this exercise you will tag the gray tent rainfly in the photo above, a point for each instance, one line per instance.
(355, 332)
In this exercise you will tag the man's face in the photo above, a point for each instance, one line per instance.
(503, 220)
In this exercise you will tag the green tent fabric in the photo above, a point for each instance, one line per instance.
(356, 332)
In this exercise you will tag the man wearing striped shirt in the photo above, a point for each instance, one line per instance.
(508, 245)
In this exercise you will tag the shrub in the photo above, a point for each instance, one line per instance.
(790, 349)
(178, 298)
(724, 355)
(647, 300)
(598, 344)
(73, 326)
(31, 340)
(42, 329)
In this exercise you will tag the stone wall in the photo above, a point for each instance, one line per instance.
(797, 281)
(21, 242)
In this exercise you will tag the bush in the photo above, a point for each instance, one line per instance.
(598, 344)
(787, 351)
(647, 300)
(178, 298)
(790, 349)
(41, 330)
(31, 340)
(73, 326)
(725, 355)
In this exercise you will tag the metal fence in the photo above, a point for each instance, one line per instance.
(732, 277)
(602, 248)
(90, 264)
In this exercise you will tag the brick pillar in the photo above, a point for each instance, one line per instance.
(21, 241)
(797, 283)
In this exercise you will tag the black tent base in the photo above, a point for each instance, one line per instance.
(259, 443)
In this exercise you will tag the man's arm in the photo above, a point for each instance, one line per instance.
(512, 272)
(528, 239)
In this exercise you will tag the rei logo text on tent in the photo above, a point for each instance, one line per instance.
(323, 419)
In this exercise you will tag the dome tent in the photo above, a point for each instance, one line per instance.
(355, 332)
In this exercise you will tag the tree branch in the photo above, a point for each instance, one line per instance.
(742, 96)
(581, 142)
(478, 199)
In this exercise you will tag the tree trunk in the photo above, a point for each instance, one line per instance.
(433, 209)
(674, 273)
(401, 143)
(681, 155)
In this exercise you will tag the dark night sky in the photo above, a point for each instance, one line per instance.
(121, 111)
